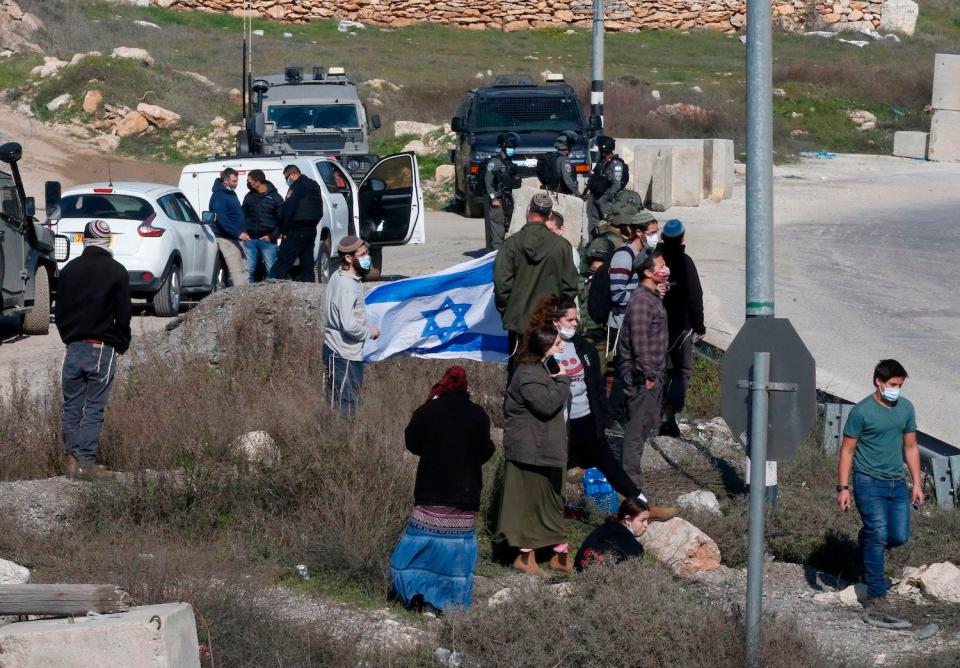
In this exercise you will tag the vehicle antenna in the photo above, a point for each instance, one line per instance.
(109, 174)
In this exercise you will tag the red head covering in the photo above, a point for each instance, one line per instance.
(454, 380)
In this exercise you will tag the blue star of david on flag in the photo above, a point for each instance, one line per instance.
(458, 326)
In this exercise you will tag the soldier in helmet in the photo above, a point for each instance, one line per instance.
(566, 176)
(608, 178)
(499, 181)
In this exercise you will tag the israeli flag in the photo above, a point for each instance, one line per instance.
(447, 315)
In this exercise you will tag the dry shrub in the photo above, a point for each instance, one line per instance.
(632, 614)
(29, 429)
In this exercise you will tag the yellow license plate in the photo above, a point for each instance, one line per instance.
(78, 238)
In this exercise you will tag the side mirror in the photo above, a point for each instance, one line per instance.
(375, 121)
(30, 207)
(456, 124)
(208, 217)
(377, 185)
(51, 195)
(259, 125)
(11, 152)
(54, 214)
(595, 124)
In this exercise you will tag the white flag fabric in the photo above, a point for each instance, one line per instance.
(447, 315)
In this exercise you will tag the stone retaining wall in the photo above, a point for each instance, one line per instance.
(625, 15)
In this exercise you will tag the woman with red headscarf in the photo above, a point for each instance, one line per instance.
(432, 566)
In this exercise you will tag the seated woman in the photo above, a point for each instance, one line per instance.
(535, 448)
(617, 538)
(432, 566)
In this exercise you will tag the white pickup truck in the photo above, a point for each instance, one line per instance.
(385, 209)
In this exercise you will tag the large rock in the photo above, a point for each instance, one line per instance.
(12, 573)
(257, 447)
(444, 173)
(151, 635)
(417, 147)
(401, 128)
(59, 102)
(50, 67)
(17, 27)
(863, 119)
(941, 582)
(134, 124)
(681, 546)
(162, 118)
(701, 501)
(92, 101)
(133, 53)
(899, 16)
(77, 57)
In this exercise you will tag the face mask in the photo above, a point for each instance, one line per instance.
(364, 262)
(251, 187)
(663, 275)
(653, 240)
(891, 394)
(289, 182)
(509, 151)
(565, 333)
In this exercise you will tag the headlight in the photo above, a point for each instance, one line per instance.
(480, 156)
(353, 165)
(578, 155)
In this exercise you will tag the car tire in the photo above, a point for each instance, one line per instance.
(36, 321)
(166, 301)
(219, 279)
(472, 209)
(324, 264)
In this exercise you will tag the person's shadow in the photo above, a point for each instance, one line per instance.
(475, 253)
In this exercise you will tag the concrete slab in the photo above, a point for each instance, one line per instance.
(572, 208)
(661, 182)
(718, 176)
(908, 144)
(946, 82)
(641, 153)
(686, 175)
(944, 136)
(150, 636)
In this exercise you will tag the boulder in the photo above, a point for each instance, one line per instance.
(863, 119)
(941, 582)
(852, 596)
(701, 501)
(444, 173)
(162, 118)
(199, 78)
(899, 16)
(218, 122)
(681, 546)
(401, 128)
(257, 447)
(16, 27)
(77, 57)
(505, 595)
(417, 147)
(12, 573)
(59, 102)
(92, 101)
(680, 110)
(50, 67)
(133, 53)
(133, 124)
(108, 143)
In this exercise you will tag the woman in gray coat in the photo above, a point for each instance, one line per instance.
(535, 449)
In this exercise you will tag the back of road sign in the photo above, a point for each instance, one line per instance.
(793, 385)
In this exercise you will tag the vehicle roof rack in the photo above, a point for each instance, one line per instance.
(513, 80)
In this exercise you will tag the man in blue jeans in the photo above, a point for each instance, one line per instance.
(93, 316)
(261, 210)
(879, 436)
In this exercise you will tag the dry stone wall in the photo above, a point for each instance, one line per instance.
(625, 15)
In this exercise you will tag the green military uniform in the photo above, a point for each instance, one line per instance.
(498, 184)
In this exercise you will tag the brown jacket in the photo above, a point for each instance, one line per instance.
(535, 431)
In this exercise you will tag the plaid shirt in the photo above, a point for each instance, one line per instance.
(642, 349)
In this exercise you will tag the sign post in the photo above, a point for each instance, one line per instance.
(759, 417)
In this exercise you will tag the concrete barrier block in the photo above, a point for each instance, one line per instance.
(911, 144)
(946, 82)
(150, 636)
(572, 208)
(660, 191)
(944, 136)
(718, 157)
(641, 153)
(687, 175)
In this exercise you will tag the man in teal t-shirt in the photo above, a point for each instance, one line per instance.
(879, 436)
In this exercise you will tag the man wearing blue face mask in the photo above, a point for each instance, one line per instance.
(346, 328)
(878, 437)
(302, 211)
(499, 179)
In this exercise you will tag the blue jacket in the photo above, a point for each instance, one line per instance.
(226, 205)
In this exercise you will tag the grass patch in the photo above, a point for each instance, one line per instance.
(16, 69)
(703, 393)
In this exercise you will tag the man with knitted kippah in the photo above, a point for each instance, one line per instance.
(93, 316)
(531, 263)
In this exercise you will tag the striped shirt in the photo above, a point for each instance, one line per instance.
(623, 281)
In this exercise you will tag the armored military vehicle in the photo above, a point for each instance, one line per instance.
(28, 251)
(290, 114)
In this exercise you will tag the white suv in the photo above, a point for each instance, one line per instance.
(155, 233)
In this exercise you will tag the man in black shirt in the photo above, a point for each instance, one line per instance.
(301, 213)
(93, 316)
(262, 208)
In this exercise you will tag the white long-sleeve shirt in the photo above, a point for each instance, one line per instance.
(346, 316)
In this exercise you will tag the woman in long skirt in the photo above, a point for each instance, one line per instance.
(432, 566)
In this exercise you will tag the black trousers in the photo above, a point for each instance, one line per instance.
(297, 245)
(587, 449)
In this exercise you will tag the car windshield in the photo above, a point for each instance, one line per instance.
(309, 116)
(527, 113)
(99, 205)
(9, 201)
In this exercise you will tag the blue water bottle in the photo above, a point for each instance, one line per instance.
(596, 487)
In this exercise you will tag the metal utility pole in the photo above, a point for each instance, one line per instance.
(760, 300)
(596, 72)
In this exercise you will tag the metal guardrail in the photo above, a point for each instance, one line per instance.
(938, 459)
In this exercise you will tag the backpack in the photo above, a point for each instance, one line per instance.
(310, 207)
(547, 171)
(599, 183)
(599, 305)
